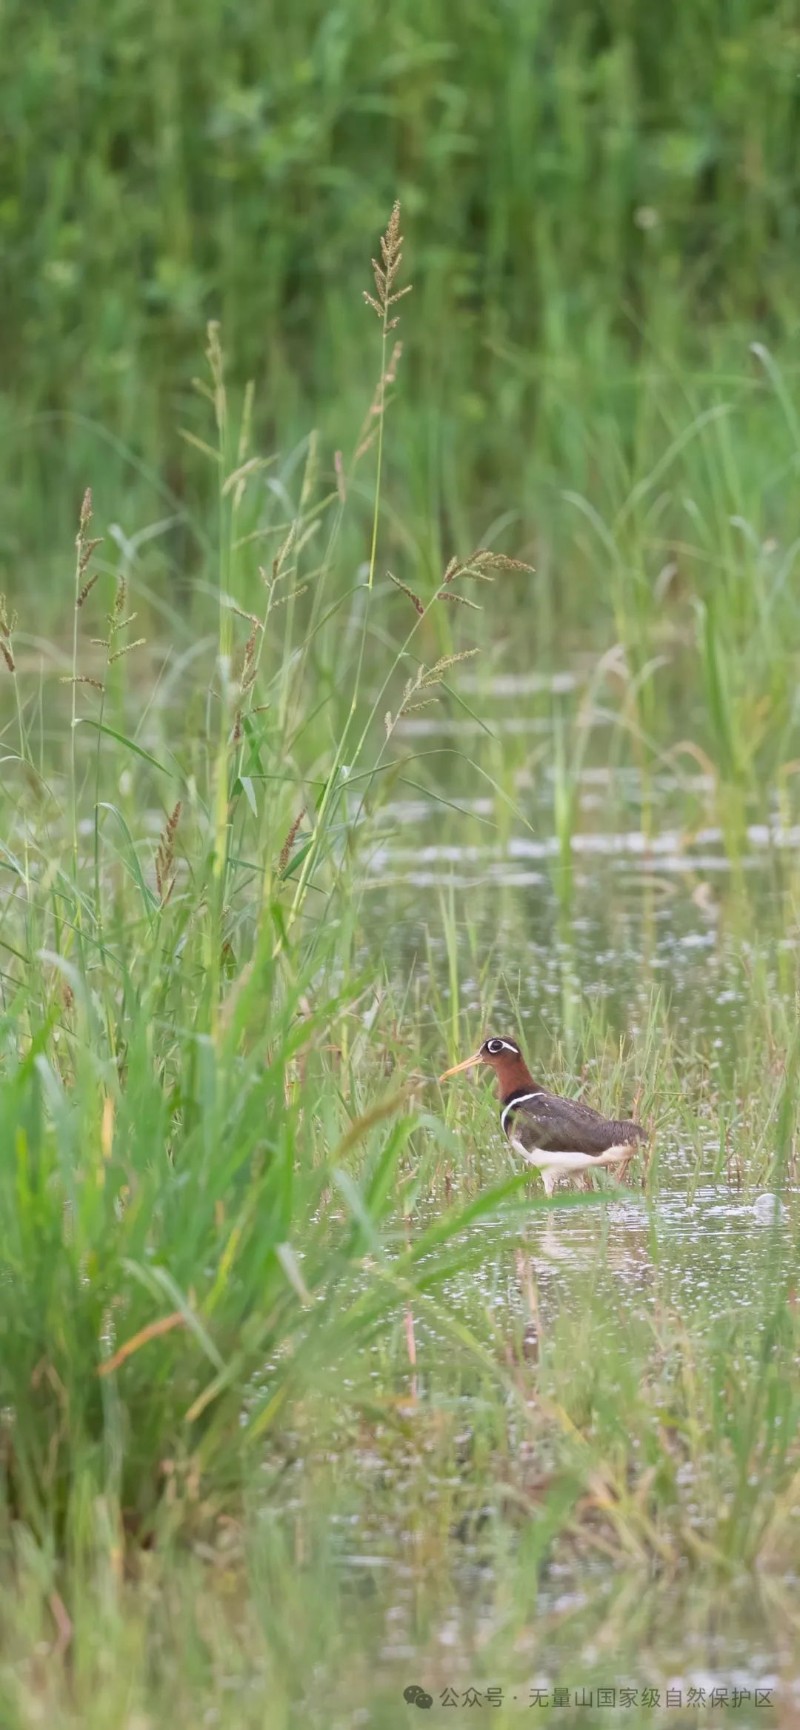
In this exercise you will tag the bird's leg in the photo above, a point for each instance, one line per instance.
(549, 1179)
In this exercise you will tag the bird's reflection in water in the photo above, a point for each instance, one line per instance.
(614, 1241)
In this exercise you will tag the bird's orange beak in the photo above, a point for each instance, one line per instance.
(457, 1067)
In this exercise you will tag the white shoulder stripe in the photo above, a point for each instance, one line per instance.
(512, 1106)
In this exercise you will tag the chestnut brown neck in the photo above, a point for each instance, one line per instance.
(513, 1075)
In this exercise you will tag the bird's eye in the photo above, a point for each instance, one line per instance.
(494, 1047)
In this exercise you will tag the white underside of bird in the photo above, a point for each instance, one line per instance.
(555, 1165)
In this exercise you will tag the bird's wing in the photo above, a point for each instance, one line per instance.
(555, 1125)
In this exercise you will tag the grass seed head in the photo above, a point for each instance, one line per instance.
(85, 546)
(481, 563)
(83, 679)
(427, 677)
(8, 622)
(385, 273)
(250, 656)
(126, 649)
(405, 590)
(87, 588)
(286, 850)
(85, 517)
(119, 602)
(458, 600)
(165, 856)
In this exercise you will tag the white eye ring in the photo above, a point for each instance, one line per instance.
(495, 1046)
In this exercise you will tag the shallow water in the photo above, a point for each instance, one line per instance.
(713, 1254)
(645, 896)
(712, 1250)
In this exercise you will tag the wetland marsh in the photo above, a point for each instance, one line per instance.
(325, 752)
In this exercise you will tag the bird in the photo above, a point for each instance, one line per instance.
(557, 1135)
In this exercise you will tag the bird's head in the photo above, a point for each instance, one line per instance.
(504, 1057)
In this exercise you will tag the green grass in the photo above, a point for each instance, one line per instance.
(289, 1386)
(592, 194)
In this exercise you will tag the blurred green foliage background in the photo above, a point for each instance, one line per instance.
(584, 183)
